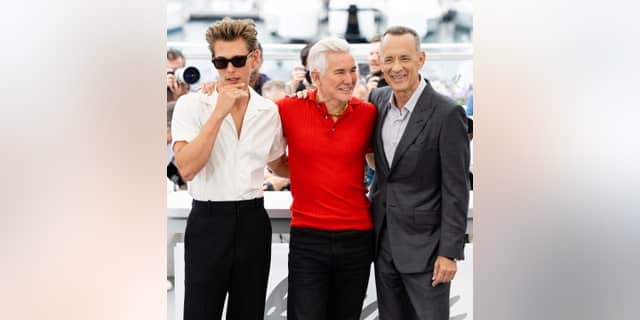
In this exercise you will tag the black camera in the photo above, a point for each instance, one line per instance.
(301, 86)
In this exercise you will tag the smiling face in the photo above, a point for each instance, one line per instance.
(232, 74)
(336, 83)
(401, 62)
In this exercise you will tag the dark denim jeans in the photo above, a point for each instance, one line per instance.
(328, 273)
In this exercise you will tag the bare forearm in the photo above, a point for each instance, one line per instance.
(193, 156)
(280, 166)
(281, 171)
(277, 183)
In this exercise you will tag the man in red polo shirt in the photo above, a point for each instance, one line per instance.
(328, 134)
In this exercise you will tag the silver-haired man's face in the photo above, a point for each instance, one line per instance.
(339, 77)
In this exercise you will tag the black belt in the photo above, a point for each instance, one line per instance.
(256, 203)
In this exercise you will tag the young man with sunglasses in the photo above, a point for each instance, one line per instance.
(222, 143)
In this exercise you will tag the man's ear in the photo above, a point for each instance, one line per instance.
(255, 59)
(315, 76)
(257, 53)
(422, 57)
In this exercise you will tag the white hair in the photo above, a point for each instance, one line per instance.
(317, 59)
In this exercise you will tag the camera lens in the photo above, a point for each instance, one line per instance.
(191, 75)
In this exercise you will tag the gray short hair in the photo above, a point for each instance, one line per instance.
(317, 60)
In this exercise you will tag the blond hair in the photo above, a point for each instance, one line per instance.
(229, 29)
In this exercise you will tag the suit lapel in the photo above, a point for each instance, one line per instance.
(382, 113)
(418, 119)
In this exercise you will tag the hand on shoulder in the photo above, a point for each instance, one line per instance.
(303, 94)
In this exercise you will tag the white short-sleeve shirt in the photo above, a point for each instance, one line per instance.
(235, 169)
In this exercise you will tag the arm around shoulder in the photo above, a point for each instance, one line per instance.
(280, 166)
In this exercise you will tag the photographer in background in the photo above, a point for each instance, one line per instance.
(175, 88)
(172, 170)
(375, 78)
(300, 76)
(258, 79)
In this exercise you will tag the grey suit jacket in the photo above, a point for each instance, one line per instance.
(424, 195)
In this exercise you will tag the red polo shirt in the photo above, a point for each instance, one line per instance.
(326, 163)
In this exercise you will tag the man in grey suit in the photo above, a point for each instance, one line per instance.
(420, 197)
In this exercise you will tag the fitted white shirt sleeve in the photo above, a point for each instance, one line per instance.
(185, 124)
(279, 143)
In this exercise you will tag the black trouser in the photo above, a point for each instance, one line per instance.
(328, 273)
(227, 249)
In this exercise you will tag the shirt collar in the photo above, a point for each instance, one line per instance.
(413, 100)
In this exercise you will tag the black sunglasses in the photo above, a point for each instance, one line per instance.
(236, 61)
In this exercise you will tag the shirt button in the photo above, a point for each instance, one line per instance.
(333, 129)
